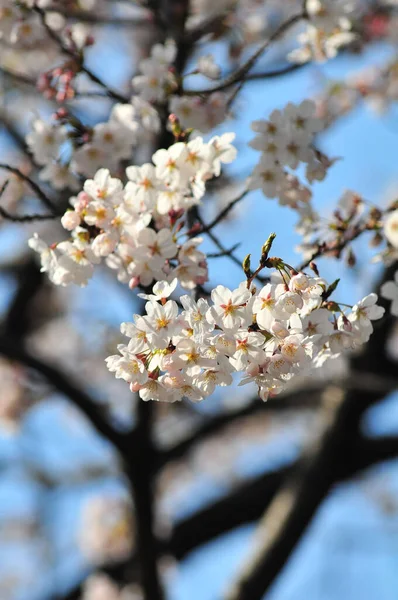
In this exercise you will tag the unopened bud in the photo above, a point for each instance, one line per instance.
(376, 240)
(332, 306)
(246, 265)
(330, 289)
(350, 258)
(135, 387)
(314, 268)
(134, 282)
(265, 250)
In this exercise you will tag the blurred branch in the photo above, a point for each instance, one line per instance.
(64, 384)
(224, 212)
(79, 59)
(207, 26)
(295, 505)
(241, 73)
(279, 72)
(18, 77)
(226, 252)
(246, 503)
(139, 469)
(88, 17)
(21, 218)
(16, 322)
(32, 184)
(306, 397)
(17, 137)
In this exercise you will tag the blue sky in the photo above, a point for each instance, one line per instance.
(350, 535)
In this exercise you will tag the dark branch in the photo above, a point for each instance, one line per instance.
(64, 384)
(32, 184)
(139, 469)
(242, 71)
(293, 508)
(224, 212)
(79, 60)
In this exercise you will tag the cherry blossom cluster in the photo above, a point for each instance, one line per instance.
(245, 22)
(67, 149)
(328, 28)
(138, 228)
(18, 25)
(286, 141)
(353, 216)
(267, 336)
(157, 83)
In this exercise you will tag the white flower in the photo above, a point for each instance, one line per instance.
(293, 348)
(229, 310)
(223, 151)
(70, 220)
(189, 356)
(265, 308)
(268, 175)
(152, 243)
(162, 320)
(142, 189)
(104, 244)
(45, 141)
(77, 260)
(389, 290)
(168, 163)
(99, 214)
(138, 334)
(195, 314)
(207, 67)
(115, 139)
(391, 228)
(127, 367)
(89, 158)
(161, 290)
(48, 258)
(59, 176)
(365, 311)
(104, 187)
(248, 349)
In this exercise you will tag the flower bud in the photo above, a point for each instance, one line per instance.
(70, 220)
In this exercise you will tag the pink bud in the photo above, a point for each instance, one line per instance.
(70, 220)
(135, 387)
(134, 282)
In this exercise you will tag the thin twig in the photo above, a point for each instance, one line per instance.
(32, 184)
(225, 211)
(64, 384)
(66, 50)
(224, 253)
(20, 218)
(243, 70)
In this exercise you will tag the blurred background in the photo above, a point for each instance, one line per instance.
(65, 506)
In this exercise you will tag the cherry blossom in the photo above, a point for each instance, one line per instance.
(389, 290)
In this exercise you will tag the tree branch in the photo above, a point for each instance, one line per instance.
(243, 70)
(66, 50)
(139, 469)
(64, 384)
(32, 184)
(293, 508)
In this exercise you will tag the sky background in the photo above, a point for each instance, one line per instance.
(351, 548)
